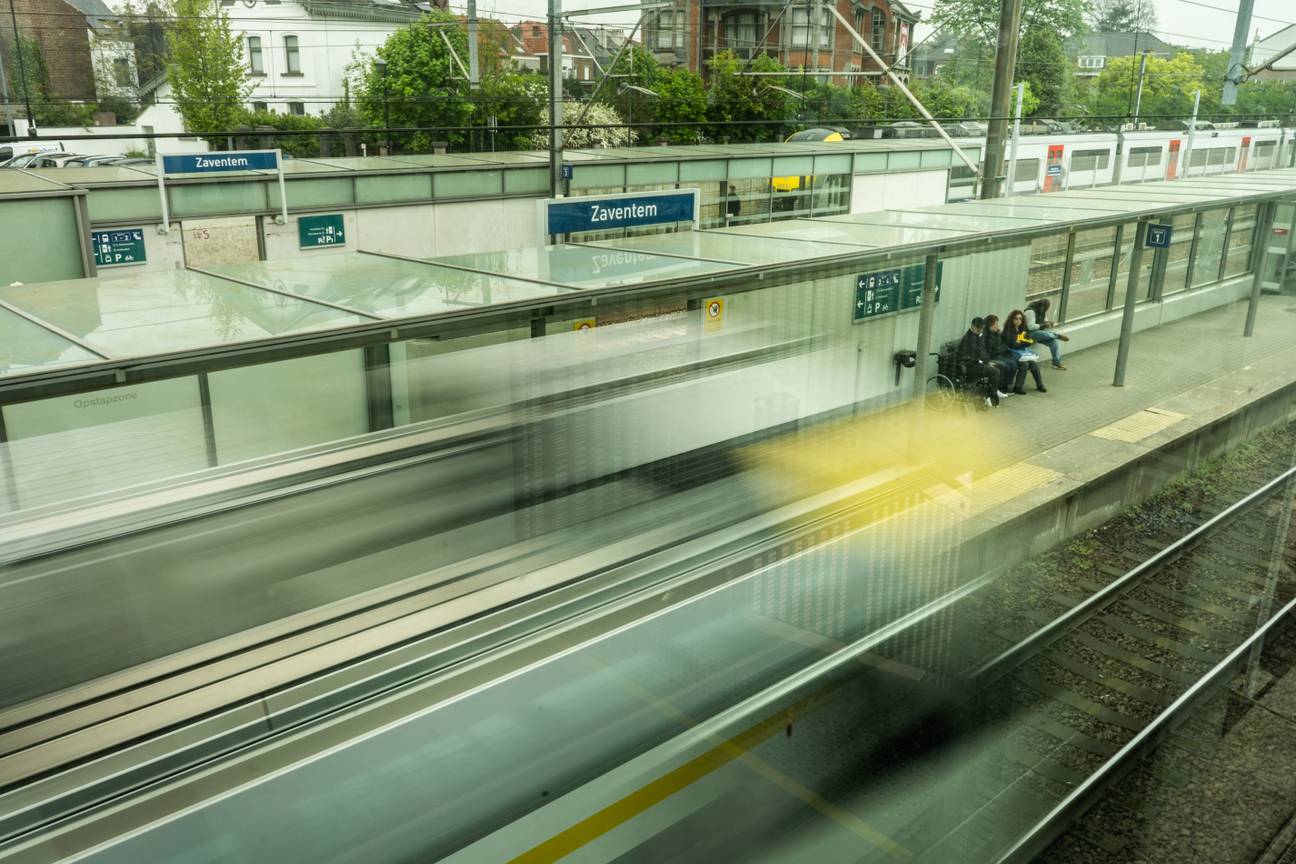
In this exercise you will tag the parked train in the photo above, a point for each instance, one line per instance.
(1053, 163)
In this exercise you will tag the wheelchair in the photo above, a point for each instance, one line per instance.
(954, 386)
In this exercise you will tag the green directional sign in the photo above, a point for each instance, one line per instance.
(885, 291)
(118, 247)
(317, 232)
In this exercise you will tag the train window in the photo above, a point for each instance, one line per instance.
(1027, 169)
(1144, 156)
(1198, 158)
(1090, 160)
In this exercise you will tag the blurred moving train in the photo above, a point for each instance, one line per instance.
(1055, 162)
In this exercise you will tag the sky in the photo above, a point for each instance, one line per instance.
(1196, 23)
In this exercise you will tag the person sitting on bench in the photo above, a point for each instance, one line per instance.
(1040, 328)
(974, 360)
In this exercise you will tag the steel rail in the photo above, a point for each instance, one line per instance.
(1065, 623)
(1088, 793)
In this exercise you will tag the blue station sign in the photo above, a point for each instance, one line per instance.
(212, 163)
(1158, 236)
(573, 215)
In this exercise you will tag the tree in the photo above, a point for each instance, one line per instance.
(680, 97)
(205, 70)
(1168, 88)
(422, 85)
(746, 107)
(1042, 63)
(978, 20)
(1122, 16)
(611, 131)
(143, 23)
(512, 100)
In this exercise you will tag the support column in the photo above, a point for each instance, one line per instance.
(1131, 300)
(555, 98)
(1260, 238)
(1065, 299)
(1001, 96)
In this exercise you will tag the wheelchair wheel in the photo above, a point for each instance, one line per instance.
(942, 395)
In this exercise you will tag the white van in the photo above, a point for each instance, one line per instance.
(14, 149)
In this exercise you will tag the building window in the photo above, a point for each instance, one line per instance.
(256, 62)
(292, 56)
(801, 27)
(297, 108)
(740, 32)
(122, 72)
(670, 27)
(859, 20)
(1092, 61)
(877, 38)
(260, 107)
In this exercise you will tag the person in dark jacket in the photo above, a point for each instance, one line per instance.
(1013, 374)
(1020, 343)
(1041, 330)
(975, 361)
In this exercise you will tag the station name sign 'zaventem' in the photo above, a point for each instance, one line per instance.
(574, 215)
(211, 163)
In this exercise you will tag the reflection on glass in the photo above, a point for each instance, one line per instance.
(1176, 271)
(1241, 235)
(1210, 247)
(1047, 263)
(1091, 272)
(25, 346)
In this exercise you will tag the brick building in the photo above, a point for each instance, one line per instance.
(584, 48)
(63, 34)
(693, 31)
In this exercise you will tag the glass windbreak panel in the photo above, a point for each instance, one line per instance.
(25, 346)
(1176, 271)
(831, 194)
(1047, 265)
(1122, 275)
(1241, 236)
(272, 408)
(739, 248)
(169, 311)
(745, 200)
(1091, 272)
(1210, 247)
(583, 267)
(68, 447)
(968, 218)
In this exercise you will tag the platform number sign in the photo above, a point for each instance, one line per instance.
(894, 290)
(1158, 237)
(119, 247)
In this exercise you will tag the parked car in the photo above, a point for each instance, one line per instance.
(18, 149)
(87, 161)
(53, 159)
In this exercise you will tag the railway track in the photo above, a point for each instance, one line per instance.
(1078, 675)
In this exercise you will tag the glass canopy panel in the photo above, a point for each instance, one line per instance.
(438, 160)
(304, 166)
(818, 231)
(1004, 214)
(386, 287)
(976, 222)
(512, 157)
(851, 230)
(363, 163)
(738, 248)
(168, 311)
(25, 346)
(18, 182)
(584, 266)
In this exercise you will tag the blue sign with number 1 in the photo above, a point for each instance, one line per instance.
(1158, 237)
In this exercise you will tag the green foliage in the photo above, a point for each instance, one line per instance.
(681, 98)
(611, 132)
(422, 85)
(300, 146)
(978, 20)
(1122, 16)
(144, 23)
(1168, 87)
(28, 77)
(513, 100)
(734, 101)
(1042, 63)
(205, 68)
